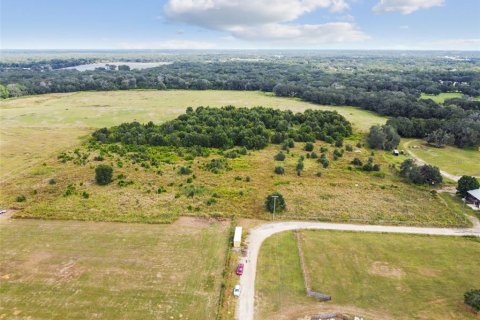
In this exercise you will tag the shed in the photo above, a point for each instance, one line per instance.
(237, 237)
(473, 196)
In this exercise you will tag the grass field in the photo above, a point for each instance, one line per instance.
(440, 98)
(450, 159)
(378, 276)
(35, 129)
(36, 126)
(84, 270)
(339, 194)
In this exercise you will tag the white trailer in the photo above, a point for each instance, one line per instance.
(237, 237)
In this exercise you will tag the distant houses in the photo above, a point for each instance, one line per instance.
(473, 197)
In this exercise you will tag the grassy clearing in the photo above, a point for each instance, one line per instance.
(33, 127)
(450, 159)
(378, 276)
(82, 270)
(440, 98)
(341, 193)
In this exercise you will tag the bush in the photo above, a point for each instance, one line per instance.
(467, 183)
(277, 199)
(21, 198)
(308, 147)
(279, 170)
(52, 181)
(247, 179)
(356, 162)
(184, 170)
(313, 155)
(85, 195)
(103, 174)
(338, 143)
(69, 191)
(161, 190)
(280, 156)
(349, 147)
(323, 149)
(472, 299)
(98, 158)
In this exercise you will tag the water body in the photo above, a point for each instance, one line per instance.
(132, 65)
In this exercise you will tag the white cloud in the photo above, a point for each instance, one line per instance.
(404, 27)
(168, 44)
(265, 20)
(307, 34)
(405, 6)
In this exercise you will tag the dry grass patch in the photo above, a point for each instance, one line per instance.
(60, 270)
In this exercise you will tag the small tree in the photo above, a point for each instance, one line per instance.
(279, 201)
(103, 174)
(467, 183)
(280, 156)
(472, 298)
(308, 147)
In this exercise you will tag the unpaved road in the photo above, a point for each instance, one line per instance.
(422, 162)
(246, 301)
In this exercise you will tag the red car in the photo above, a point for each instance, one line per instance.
(239, 269)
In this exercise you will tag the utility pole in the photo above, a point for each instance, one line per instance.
(274, 202)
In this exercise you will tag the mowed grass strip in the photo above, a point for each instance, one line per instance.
(450, 159)
(83, 270)
(440, 98)
(378, 276)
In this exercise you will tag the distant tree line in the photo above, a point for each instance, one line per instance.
(253, 128)
(385, 85)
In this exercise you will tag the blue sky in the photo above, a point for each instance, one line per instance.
(237, 24)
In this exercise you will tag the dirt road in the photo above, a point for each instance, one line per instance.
(246, 303)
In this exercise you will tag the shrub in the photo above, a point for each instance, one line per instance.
(324, 161)
(161, 190)
(356, 162)
(231, 154)
(275, 199)
(349, 147)
(184, 170)
(216, 165)
(467, 183)
(69, 191)
(52, 181)
(21, 198)
(308, 147)
(323, 149)
(359, 145)
(313, 155)
(85, 195)
(98, 158)
(338, 143)
(280, 156)
(247, 179)
(472, 299)
(238, 178)
(211, 201)
(103, 174)
(338, 153)
(279, 170)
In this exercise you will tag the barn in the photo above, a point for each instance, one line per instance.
(473, 197)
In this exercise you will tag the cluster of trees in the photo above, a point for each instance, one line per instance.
(465, 184)
(253, 128)
(461, 131)
(383, 137)
(425, 174)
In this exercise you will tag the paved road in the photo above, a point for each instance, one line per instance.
(245, 304)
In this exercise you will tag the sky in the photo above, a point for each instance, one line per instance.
(240, 24)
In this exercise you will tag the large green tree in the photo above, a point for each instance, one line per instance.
(467, 183)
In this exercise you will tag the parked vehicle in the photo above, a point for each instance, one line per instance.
(3, 211)
(239, 271)
(236, 291)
